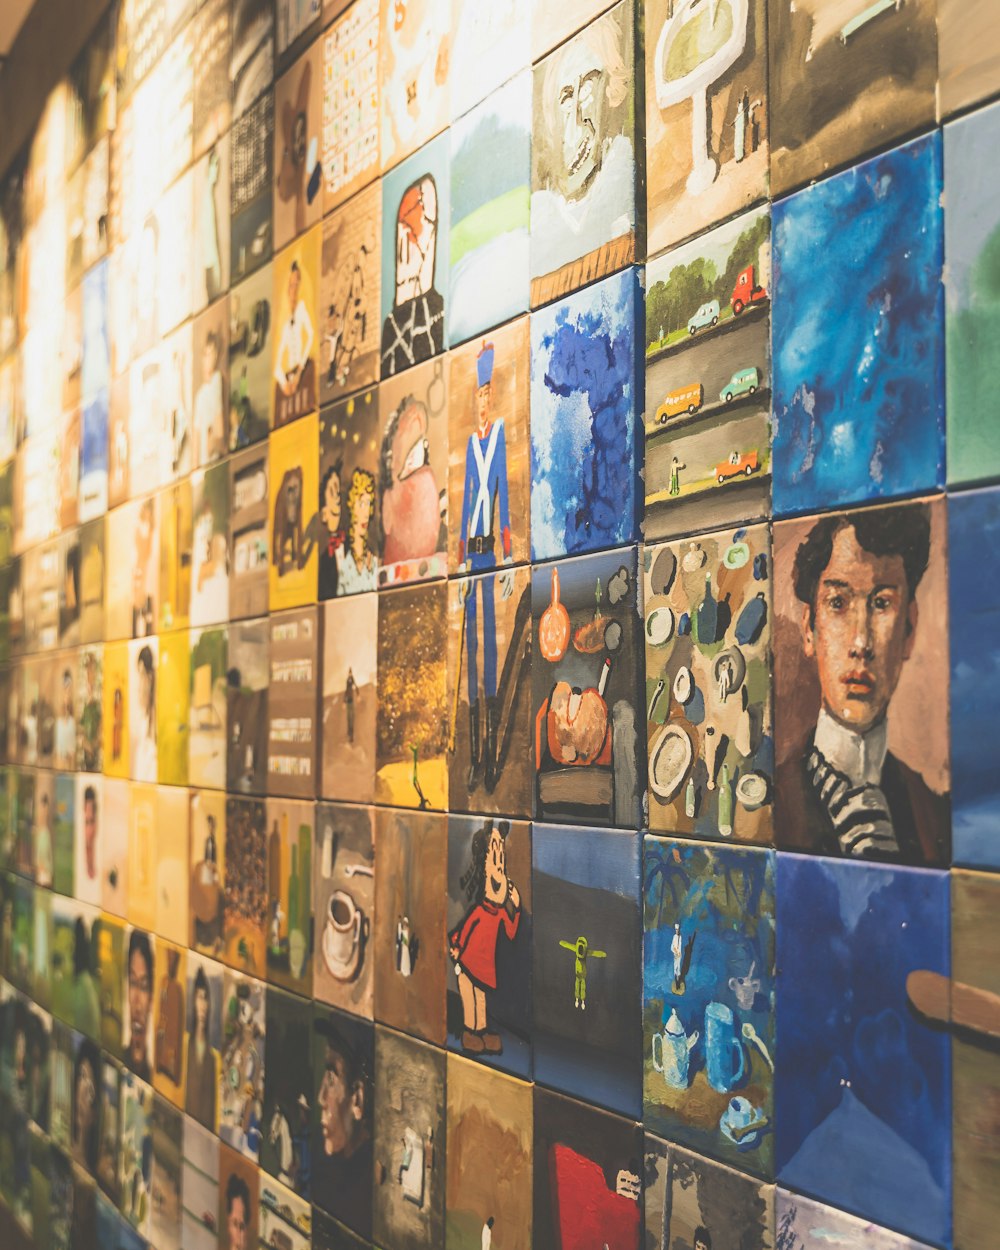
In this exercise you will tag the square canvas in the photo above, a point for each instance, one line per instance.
(251, 348)
(846, 77)
(410, 905)
(587, 1175)
(173, 679)
(210, 387)
(289, 894)
(708, 999)
(489, 942)
(583, 163)
(249, 533)
(348, 709)
(210, 501)
(846, 1133)
(143, 747)
(707, 142)
(251, 226)
(489, 203)
(207, 737)
(343, 1115)
(88, 850)
(137, 1017)
(169, 1055)
(968, 53)
(489, 1172)
(976, 1072)
(974, 612)
(241, 1093)
(415, 259)
(551, 25)
(251, 62)
(170, 915)
(348, 473)
(199, 1187)
(703, 1204)
(350, 305)
(298, 145)
(972, 297)
(709, 714)
(410, 716)
(414, 59)
(491, 44)
(585, 685)
(296, 21)
(409, 1198)
(135, 1153)
(489, 692)
(238, 1190)
(708, 380)
(143, 854)
(114, 851)
(803, 1224)
(115, 709)
(296, 346)
(245, 886)
(285, 1219)
(211, 38)
(344, 907)
(293, 486)
(859, 397)
(176, 542)
(291, 704)
(585, 970)
(285, 1146)
(211, 242)
(350, 103)
(206, 893)
(861, 747)
(247, 681)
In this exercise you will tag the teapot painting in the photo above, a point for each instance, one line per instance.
(675, 1051)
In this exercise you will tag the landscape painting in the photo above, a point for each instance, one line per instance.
(859, 397)
(972, 295)
(583, 165)
(411, 964)
(708, 1000)
(489, 941)
(846, 76)
(585, 690)
(490, 200)
(863, 1095)
(974, 617)
(709, 717)
(706, 116)
(409, 1203)
(347, 711)
(344, 907)
(350, 304)
(708, 380)
(585, 969)
(584, 433)
(489, 1172)
(588, 1175)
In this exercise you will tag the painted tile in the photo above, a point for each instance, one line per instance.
(169, 1077)
(240, 1183)
(861, 742)
(489, 1172)
(863, 1097)
(708, 380)
(251, 63)
(241, 1093)
(975, 911)
(142, 663)
(206, 897)
(209, 735)
(344, 907)
(583, 164)
(91, 582)
(296, 25)
(289, 894)
(588, 1183)
(176, 542)
(293, 474)
(589, 745)
(114, 851)
(411, 717)
(583, 434)
(974, 614)
(210, 179)
(342, 1148)
(350, 690)
(330, 1234)
(414, 54)
(807, 1225)
(298, 145)
(249, 533)
(134, 1153)
(172, 857)
(409, 1199)
(858, 381)
(708, 691)
(351, 92)
(285, 1219)
(706, 117)
(585, 964)
(252, 186)
(245, 886)
(489, 203)
(350, 296)
(251, 349)
(489, 942)
(972, 295)
(414, 292)
(296, 360)
(210, 553)
(410, 901)
(708, 1000)
(696, 1203)
(247, 682)
(173, 693)
(491, 44)
(209, 389)
(291, 704)
(88, 816)
(199, 1187)
(349, 469)
(137, 1016)
(284, 1147)
(846, 78)
(968, 53)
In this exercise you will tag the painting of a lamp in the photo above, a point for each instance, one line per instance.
(699, 42)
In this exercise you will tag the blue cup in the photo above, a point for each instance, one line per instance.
(725, 1060)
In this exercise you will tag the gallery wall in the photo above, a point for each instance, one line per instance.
(497, 644)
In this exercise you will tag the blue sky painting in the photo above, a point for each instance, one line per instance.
(863, 1082)
(583, 440)
(974, 616)
(858, 334)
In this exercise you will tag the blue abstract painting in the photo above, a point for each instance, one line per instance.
(490, 199)
(583, 427)
(863, 1088)
(858, 333)
(974, 610)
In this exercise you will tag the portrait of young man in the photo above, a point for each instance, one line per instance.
(841, 788)
(342, 1148)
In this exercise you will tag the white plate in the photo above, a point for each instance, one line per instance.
(751, 791)
(683, 685)
(669, 761)
(660, 626)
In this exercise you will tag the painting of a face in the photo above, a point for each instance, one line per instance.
(416, 238)
(331, 509)
(860, 631)
(497, 885)
(410, 509)
(140, 993)
(582, 97)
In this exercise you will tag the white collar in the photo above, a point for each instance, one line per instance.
(859, 757)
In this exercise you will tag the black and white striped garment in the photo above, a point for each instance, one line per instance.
(859, 814)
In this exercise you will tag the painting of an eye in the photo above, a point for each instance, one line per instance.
(416, 458)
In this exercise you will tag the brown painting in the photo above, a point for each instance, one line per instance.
(350, 299)
(344, 907)
(298, 185)
(291, 743)
(968, 53)
(347, 761)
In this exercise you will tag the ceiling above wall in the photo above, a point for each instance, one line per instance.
(12, 15)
